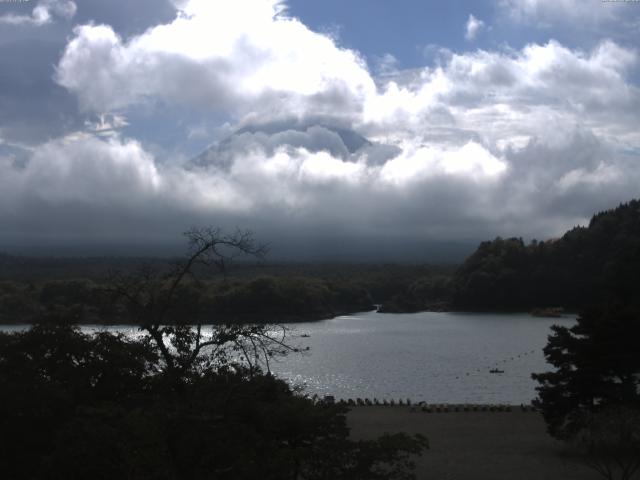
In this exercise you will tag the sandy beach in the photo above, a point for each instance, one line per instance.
(475, 445)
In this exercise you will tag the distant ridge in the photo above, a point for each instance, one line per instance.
(351, 139)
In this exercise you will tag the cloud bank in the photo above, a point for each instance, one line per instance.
(503, 142)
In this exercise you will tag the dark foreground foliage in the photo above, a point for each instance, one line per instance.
(610, 442)
(79, 406)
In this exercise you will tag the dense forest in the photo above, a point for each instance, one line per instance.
(250, 292)
(263, 299)
(585, 266)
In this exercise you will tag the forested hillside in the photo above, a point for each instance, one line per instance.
(586, 265)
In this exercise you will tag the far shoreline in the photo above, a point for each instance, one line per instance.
(291, 320)
(287, 320)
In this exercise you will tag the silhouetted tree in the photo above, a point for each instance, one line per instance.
(596, 366)
(155, 300)
(56, 385)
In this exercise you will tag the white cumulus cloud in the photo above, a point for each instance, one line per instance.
(228, 53)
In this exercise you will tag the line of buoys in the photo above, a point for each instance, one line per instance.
(362, 402)
(424, 406)
(492, 368)
(446, 408)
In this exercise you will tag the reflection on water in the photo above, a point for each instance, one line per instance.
(429, 356)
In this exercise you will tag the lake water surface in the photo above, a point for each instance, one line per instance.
(428, 356)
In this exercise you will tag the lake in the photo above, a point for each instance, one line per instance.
(429, 356)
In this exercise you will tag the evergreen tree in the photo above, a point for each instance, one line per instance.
(597, 365)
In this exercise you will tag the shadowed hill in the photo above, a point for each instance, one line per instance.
(586, 265)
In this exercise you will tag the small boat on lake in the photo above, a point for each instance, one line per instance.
(496, 370)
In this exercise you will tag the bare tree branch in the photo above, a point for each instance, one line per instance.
(150, 295)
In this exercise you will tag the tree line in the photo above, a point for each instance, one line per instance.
(249, 292)
(262, 299)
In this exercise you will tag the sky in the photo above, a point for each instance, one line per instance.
(382, 129)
